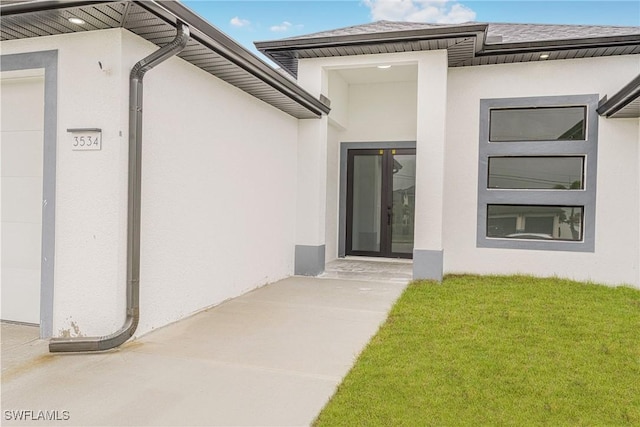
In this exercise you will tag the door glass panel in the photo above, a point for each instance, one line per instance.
(403, 203)
(367, 202)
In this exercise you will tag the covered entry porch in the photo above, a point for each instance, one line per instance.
(387, 115)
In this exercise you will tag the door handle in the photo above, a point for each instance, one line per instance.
(388, 215)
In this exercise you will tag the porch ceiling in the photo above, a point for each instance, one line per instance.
(395, 73)
(155, 21)
(460, 50)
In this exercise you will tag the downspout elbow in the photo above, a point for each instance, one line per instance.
(84, 344)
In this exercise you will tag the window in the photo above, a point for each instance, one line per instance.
(537, 124)
(537, 173)
(535, 222)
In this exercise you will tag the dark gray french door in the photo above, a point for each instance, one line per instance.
(381, 202)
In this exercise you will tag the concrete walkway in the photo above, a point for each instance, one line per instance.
(272, 357)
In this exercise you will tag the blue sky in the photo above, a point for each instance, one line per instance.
(256, 20)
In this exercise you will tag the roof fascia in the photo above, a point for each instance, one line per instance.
(382, 37)
(622, 98)
(546, 45)
(289, 46)
(480, 31)
(223, 45)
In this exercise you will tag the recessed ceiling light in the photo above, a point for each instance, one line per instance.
(77, 21)
(384, 67)
(544, 56)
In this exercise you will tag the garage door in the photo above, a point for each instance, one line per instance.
(21, 161)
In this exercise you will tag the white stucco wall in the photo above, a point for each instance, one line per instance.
(381, 112)
(311, 163)
(219, 191)
(338, 93)
(89, 276)
(430, 153)
(333, 193)
(616, 255)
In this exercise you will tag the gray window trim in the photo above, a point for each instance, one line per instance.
(47, 60)
(587, 197)
(342, 204)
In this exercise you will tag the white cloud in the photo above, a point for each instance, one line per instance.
(237, 22)
(434, 11)
(281, 27)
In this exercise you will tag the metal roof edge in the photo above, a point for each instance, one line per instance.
(559, 44)
(387, 36)
(619, 100)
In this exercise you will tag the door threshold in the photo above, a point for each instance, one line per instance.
(377, 259)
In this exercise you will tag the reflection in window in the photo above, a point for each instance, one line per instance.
(537, 124)
(367, 187)
(535, 222)
(540, 173)
(403, 203)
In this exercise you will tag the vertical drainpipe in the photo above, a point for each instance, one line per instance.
(78, 344)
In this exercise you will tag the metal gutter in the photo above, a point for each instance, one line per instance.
(77, 344)
(441, 33)
(382, 37)
(553, 45)
(622, 98)
(226, 47)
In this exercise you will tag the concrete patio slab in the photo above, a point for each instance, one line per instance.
(272, 357)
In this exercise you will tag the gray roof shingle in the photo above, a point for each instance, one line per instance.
(516, 33)
(375, 27)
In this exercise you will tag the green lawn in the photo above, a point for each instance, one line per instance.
(495, 350)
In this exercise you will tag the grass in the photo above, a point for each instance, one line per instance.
(497, 350)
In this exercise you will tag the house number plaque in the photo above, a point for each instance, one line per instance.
(85, 139)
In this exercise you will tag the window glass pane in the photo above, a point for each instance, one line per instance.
(537, 124)
(535, 222)
(542, 173)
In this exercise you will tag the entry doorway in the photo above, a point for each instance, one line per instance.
(380, 202)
